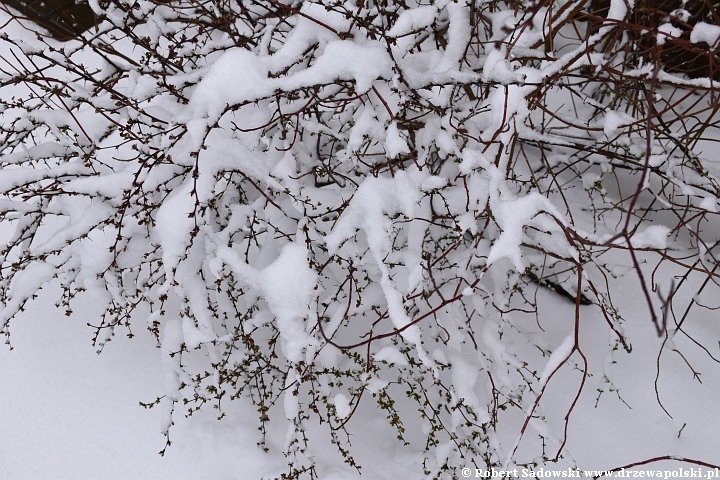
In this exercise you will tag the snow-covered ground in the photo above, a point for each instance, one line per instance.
(70, 413)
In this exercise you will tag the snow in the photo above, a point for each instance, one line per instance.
(288, 286)
(433, 183)
(394, 143)
(69, 413)
(654, 236)
(291, 403)
(12, 178)
(497, 68)
(174, 224)
(366, 123)
(513, 214)
(705, 33)
(465, 376)
(657, 160)
(416, 245)
(342, 406)
(413, 19)
(667, 31)
(459, 34)
(220, 86)
(619, 9)
(22, 287)
(614, 121)
(307, 33)
(709, 204)
(375, 199)
(90, 425)
(172, 341)
(558, 356)
(391, 355)
(192, 335)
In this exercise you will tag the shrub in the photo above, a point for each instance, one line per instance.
(322, 205)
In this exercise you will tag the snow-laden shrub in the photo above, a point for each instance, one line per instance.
(327, 206)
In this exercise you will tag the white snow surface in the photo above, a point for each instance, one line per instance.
(654, 236)
(342, 406)
(82, 410)
(667, 31)
(614, 121)
(709, 203)
(239, 77)
(288, 285)
(619, 9)
(558, 356)
(705, 33)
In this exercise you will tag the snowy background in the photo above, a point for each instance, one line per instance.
(67, 412)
